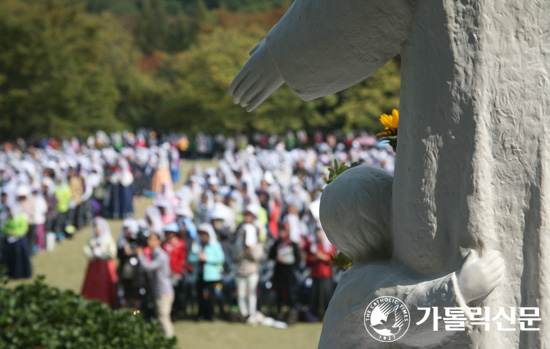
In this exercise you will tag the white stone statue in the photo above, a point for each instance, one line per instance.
(473, 148)
(355, 213)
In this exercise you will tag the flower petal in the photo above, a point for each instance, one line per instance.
(395, 118)
(386, 120)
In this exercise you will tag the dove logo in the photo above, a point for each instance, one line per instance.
(387, 319)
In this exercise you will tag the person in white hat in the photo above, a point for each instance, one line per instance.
(176, 249)
(25, 201)
(15, 248)
(208, 258)
(101, 276)
(27, 206)
(131, 277)
(247, 254)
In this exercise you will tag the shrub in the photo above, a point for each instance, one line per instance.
(35, 315)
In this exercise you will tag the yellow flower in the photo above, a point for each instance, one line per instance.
(390, 122)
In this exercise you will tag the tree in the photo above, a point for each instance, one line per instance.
(64, 72)
(178, 37)
(199, 77)
(52, 80)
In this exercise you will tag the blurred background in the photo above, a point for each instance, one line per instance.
(71, 67)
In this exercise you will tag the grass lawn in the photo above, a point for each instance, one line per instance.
(65, 267)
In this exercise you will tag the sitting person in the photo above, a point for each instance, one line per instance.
(355, 213)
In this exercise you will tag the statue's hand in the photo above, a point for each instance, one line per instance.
(479, 276)
(257, 79)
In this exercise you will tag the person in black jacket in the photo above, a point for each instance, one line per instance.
(286, 254)
(131, 276)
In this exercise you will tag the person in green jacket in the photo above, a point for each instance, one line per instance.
(207, 257)
(15, 249)
(63, 195)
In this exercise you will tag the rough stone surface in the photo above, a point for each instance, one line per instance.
(473, 149)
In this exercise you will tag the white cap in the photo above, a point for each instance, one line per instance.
(22, 190)
(252, 209)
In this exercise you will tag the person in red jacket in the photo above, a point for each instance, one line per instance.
(175, 248)
(318, 258)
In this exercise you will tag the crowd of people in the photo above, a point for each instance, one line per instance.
(236, 241)
(50, 191)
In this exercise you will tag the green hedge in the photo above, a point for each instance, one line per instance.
(35, 315)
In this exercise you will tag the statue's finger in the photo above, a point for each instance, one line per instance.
(470, 258)
(496, 281)
(239, 78)
(260, 97)
(488, 259)
(256, 47)
(491, 255)
(500, 269)
(244, 87)
(251, 93)
(495, 273)
(494, 265)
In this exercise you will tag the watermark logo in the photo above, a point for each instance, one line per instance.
(505, 319)
(387, 319)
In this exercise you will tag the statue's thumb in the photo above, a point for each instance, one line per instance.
(471, 258)
(256, 47)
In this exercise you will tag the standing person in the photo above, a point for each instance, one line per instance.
(154, 219)
(101, 276)
(174, 160)
(3, 208)
(4, 214)
(27, 207)
(162, 173)
(247, 254)
(188, 233)
(51, 202)
(63, 196)
(76, 183)
(176, 249)
(294, 225)
(318, 258)
(125, 190)
(286, 254)
(129, 270)
(15, 252)
(203, 208)
(208, 259)
(159, 269)
(39, 218)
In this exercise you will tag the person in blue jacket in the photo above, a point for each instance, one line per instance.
(208, 258)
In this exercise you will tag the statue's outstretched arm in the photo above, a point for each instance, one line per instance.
(324, 46)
